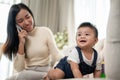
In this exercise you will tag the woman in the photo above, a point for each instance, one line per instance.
(31, 48)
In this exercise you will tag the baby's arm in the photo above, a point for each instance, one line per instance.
(97, 73)
(75, 69)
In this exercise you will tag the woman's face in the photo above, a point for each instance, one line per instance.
(25, 20)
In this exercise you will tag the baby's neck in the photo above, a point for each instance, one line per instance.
(87, 53)
(87, 50)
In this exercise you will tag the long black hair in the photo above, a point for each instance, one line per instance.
(10, 47)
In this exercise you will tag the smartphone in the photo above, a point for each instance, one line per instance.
(18, 27)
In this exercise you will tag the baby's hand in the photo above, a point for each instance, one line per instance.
(45, 77)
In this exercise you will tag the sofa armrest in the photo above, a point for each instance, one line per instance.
(0, 50)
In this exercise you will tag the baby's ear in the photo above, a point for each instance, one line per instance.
(96, 40)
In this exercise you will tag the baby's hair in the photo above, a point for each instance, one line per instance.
(90, 25)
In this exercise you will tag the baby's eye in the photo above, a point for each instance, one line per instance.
(87, 34)
(79, 34)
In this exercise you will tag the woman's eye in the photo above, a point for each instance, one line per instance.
(27, 17)
(20, 21)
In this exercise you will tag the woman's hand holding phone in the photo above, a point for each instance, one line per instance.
(22, 34)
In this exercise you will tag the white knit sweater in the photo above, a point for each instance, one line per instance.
(40, 44)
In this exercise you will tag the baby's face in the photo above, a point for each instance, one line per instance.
(85, 37)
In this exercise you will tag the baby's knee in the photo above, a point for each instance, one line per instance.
(51, 75)
(55, 74)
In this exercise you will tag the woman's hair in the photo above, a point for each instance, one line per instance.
(10, 47)
(88, 24)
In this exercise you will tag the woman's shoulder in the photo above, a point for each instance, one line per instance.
(42, 28)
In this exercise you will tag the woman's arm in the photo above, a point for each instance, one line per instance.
(54, 51)
(19, 60)
(75, 69)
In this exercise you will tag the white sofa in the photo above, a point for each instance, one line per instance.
(0, 50)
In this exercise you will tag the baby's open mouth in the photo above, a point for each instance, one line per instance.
(83, 41)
